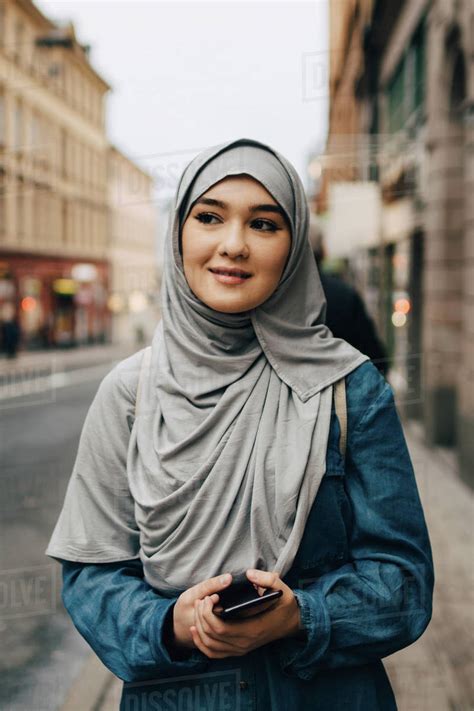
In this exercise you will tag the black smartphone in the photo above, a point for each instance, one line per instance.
(241, 596)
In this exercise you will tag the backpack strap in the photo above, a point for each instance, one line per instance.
(141, 377)
(341, 412)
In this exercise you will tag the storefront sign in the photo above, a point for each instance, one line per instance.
(66, 287)
(84, 272)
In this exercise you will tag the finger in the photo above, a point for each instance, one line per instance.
(202, 647)
(213, 644)
(215, 626)
(197, 640)
(212, 585)
(264, 578)
(212, 625)
(223, 635)
(199, 622)
(206, 612)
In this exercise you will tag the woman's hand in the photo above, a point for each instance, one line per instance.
(183, 611)
(218, 638)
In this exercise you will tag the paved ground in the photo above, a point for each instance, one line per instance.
(42, 652)
(436, 673)
(36, 372)
(39, 437)
(74, 357)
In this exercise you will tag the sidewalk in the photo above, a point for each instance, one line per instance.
(63, 359)
(39, 371)
(436, 672)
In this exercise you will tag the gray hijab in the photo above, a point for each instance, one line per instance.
(228, 447)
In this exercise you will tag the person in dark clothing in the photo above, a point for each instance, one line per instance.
(346, 314)
(10, 337)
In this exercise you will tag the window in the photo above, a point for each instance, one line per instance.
(20, 209)
(64, 159)
(406, 90)
(3, 217)
(396, 99)
(19, 40)
(18, 127)
(64, 237)
(2, 118)
(419, 74)
(457, 94)
(2, 24)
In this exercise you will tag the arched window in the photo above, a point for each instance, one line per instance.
(457, 95)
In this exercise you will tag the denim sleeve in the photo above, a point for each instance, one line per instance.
(381, 600)
(124, 620)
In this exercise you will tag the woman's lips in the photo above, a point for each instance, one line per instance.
(229, 278)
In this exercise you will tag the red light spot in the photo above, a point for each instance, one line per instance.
(402, 305)
(28, 303)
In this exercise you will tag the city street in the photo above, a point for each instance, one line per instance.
(39, 440)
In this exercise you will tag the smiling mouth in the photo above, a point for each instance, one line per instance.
(231, 273)
(229, 276)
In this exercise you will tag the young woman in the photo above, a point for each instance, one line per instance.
(232, 461)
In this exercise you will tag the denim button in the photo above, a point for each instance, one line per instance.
(244, 684)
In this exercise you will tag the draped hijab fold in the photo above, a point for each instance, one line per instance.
(228, 447)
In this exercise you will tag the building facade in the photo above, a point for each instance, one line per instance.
(413, 84)
(134, 282)
(53, 182)
(342, 160)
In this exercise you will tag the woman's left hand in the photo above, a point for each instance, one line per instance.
(218, 638)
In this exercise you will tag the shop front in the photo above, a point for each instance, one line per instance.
(404, 304)
(60, 303)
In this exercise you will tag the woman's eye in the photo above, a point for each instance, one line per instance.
(264, 225)
(205, 218)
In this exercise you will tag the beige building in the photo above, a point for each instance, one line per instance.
(53, 181)
(134, 282)
(342, 160)
(413, 88)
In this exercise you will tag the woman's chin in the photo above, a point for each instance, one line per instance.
(227, 308)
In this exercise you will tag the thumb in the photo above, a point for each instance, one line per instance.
(212, 585)
(263, 578)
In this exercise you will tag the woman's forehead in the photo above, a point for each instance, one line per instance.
(233, 185)
(258, 169)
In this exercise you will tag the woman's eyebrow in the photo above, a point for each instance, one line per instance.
(253, 208)
(268, 208)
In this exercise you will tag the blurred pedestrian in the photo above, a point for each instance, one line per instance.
(346, 314)
(11, 334)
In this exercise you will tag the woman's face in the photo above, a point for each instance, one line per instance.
(235, 243)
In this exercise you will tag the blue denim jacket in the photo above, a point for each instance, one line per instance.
(363, 577)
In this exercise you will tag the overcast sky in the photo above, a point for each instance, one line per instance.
(186, 75)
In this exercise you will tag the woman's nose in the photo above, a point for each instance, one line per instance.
(234, 243)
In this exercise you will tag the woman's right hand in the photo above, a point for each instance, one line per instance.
(183, 611)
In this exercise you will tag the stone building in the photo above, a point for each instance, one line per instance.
(53, 181)
(342, 161)
(132, 251)
(409, 128)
